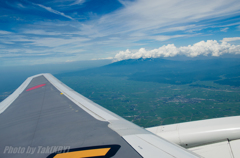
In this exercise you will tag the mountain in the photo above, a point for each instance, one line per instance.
(220, 70)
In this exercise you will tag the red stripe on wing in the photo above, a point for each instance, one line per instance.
(35, 87)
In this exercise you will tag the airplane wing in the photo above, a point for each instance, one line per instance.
(45, 118)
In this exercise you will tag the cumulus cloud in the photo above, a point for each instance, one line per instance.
(210, 47)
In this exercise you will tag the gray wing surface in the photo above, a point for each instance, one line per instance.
(45, 118)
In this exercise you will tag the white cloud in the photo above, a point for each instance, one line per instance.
(40, 32)
(78, 2)
(69, 61)
(56, 42)
(54, 11)
(224, 29)
(6, 42)
(4, 32)
(153, 17)
(20, 5)
(108, 58)
(164, 38)
(136, 24)
(210, 47)
(230, 39)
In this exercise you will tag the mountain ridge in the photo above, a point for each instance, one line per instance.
(168, 71)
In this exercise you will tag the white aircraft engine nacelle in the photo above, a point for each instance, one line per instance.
(196, 133)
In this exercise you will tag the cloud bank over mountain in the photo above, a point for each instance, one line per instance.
(210, 47)
(46, 31)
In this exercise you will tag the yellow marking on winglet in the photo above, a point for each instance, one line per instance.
(61, 93)
(84, 153)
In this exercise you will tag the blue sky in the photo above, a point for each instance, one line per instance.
(39, 31)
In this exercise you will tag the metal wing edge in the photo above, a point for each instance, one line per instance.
(11, 98)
